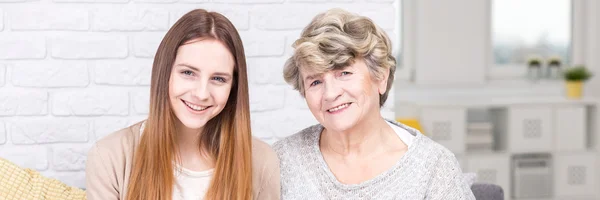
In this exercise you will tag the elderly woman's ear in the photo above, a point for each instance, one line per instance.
(382, 86)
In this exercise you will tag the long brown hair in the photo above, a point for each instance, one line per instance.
(226, 137)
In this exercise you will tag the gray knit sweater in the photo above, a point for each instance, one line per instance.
(426, 171)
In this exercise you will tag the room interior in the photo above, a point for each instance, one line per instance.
(482, 79)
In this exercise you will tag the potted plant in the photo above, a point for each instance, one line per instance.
(553, 69)
(534, 62)
(534, 65)
(554, 61)
(574, 77)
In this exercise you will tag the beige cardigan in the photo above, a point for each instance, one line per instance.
(108, 167)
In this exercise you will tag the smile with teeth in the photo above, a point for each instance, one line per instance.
(194, 107)
(339, 107)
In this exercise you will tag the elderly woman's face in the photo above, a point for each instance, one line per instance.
(341, 99)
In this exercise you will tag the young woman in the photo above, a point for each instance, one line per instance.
(196, 142)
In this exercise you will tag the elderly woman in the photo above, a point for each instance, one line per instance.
(343, 67)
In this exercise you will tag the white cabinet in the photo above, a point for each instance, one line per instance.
(575, 174)
(530, 129)
(570, 129)
(564, 130)
(491, 168)
(446, 126)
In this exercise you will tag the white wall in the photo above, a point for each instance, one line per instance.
(592, 51)
(72, 71)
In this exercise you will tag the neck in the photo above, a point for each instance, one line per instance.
(192, 156)
(363, 139)
(188, 138)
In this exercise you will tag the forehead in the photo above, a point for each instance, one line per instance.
(311, 71)
(205, 54)
(308, 73)
(308, 70)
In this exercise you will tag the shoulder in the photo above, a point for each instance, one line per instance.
(446, 178)
(294, 144)
(441, 153)
(425, 146)
(439, 158)
(265, 167)
(117, 145)
(263, 155)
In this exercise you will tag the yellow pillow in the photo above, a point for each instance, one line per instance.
(412, 122)
(27, 184)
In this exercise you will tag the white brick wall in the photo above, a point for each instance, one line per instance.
(145, 44)
(48, 18)
(47, 131)
(1, 20)
(21, 46)
(89, 46)
(2, 74)
(23, 102)
(130, 19)
(50, 74)
(2, 133)
(30, 156)
(122, 72)
(73, 71)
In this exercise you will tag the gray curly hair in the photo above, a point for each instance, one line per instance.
(333, 40)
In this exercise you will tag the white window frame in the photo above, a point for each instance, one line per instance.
(406, 27)
(518, 71)
(404, 70)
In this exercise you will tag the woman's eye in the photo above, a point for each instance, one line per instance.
(187, 73)
(346, 73)
(315, 83)
(220, 79)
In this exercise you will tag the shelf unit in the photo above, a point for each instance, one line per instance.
(542, 148)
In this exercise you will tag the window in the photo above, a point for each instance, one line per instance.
(524, 29)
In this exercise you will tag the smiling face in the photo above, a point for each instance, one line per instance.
(341, 99)
(200, 82)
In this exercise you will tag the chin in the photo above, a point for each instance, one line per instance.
(340, 124)
(194, 124)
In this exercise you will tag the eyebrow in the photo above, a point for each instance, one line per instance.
(310, 77)
(227, 75)
(188, 65)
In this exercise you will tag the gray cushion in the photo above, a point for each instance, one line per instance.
(485, 191)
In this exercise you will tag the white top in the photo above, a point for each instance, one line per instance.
(191, 185)
(404, 135)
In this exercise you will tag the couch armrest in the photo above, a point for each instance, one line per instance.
(486, 191)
